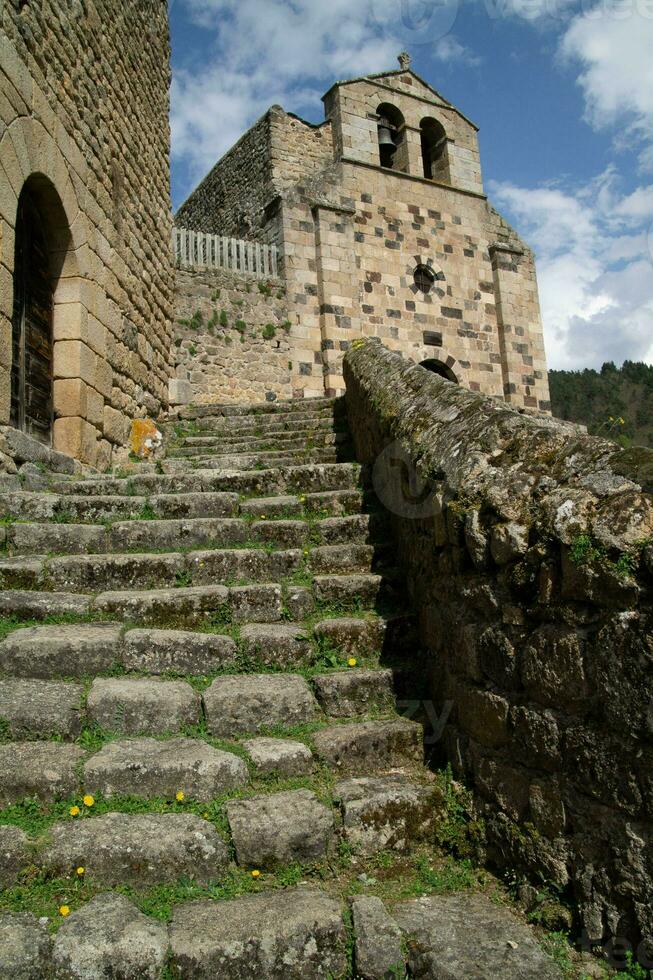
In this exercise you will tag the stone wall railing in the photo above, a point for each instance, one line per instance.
(200, 250)
(528, 551)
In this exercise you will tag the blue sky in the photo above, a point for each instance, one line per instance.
(562, 93)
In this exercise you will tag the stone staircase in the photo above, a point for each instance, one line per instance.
(197, 710)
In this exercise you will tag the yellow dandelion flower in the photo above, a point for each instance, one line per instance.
(74, 811)
(263, 517)
(610, 418)
(81, 871)
(64, 910)
(256, 874)
(179, 797)
(88, 800)
(206, 816)
(352, 661)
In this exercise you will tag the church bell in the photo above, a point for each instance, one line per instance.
(385, 133)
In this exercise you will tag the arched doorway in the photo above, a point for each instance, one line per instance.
(32, 341)
(437, 367)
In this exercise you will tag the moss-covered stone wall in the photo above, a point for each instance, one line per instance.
(528, 548)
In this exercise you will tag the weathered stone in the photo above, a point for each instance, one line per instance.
(13, 852)
(142, 707)
(279, 755)
(251, 703)
(508, 542)
(109, 937)
(269, 831)
(47, 770)
(140, 849)
(353, 636)
(177, 652)
(37, 707)
(299, 935)
(552, 668)
(62, 651)
(274, 644)
(378, 953)
(385, 813)
(354, 692)
(483, 715)
(24, 947)
(370, 746)
(467, 935)
(148, 767)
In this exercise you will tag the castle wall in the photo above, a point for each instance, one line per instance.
(527, 551)
(232, 198)
(231, 340)
(84, 117)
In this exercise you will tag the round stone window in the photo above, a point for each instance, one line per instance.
(424, 278)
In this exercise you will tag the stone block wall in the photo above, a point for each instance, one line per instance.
(84, 119)
(231, 341)
(528, 549)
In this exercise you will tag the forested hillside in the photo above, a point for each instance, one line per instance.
(614, 402)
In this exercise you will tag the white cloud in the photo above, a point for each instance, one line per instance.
(595, 269)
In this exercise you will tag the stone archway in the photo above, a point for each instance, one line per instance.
(439, 367)
(39, 179)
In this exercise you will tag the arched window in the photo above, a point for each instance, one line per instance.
(424, 278)
(434, 150)
(437, 367)
(391, 134)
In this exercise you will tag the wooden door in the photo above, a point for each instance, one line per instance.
(31, 372)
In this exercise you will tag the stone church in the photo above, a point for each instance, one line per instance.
(383, 229)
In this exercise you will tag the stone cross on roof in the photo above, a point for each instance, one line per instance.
(404, 60)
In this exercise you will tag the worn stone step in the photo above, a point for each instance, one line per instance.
(138, 849)
(14, 848)
(41, 508)
(386, 813)
(115, 572)
(148, 767)
(349, 591)
(194, 605)
(341, 559)
(370, 746)
(81, 650)
(142, 706)
(299, 935)
(256, 440)
(280, 828)
(309, 478)
(293, 407)
(281, 756)
(22, 573)
(258, 426)
(343, 694)
(109, 937)
(275, 644)
(42, 605)
(155, 651)
(252, 703)
(40, 708)
(353, 635)
(46, 770)
(257, 461)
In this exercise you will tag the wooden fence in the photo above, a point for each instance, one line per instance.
(200, 250)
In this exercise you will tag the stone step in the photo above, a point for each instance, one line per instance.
(282, 757)
(43, 605)
(44, 709)
(148, 767)
(246, 442)
(299, 935)
(253, 703)
(349, 591)
(41, 507)
(354, 692)
(192, 606)
(278, 829)
(386, 813)
(192, 532)
(82, 650)
(261, 425)
(256, 461)
(370, 746)
(338, 503)
(286, 406)
(46, 770)
(151, 706)
(309, 478)
(156, 651)
(138, 849)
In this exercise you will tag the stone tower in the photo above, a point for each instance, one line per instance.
(85, 272)
(384, 229)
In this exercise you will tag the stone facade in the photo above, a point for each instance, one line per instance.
(528, 551)
(422, 262)
(231, 339)
(84, 134)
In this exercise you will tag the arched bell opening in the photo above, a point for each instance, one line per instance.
(392, 137)
(435, 157)
(42, 249)
(443, 370)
